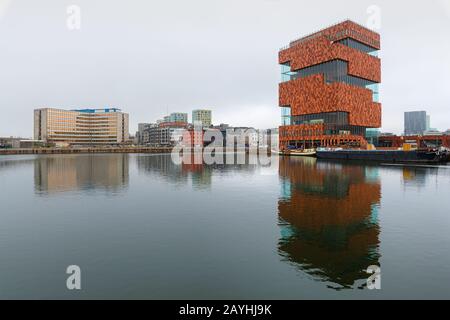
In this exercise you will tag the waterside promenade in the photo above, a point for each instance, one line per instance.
(86, 150)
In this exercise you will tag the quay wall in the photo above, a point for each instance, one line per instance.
(85, 150)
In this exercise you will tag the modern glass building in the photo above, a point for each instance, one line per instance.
(416, 123)
(81, 127)
(329, 94)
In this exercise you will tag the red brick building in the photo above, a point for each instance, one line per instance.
(329, 88)
(415, 141)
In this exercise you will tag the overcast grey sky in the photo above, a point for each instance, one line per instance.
(148, 57)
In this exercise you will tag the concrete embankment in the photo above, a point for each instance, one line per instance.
(84, 150)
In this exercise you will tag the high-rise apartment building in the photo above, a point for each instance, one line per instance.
(329, 90)
(174, 117)
(178, 117)
(416, 123)
(202, 116)
(81, 127)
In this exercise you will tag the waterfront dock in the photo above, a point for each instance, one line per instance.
(85, 150)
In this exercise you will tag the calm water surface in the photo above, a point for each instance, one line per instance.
(142, 227)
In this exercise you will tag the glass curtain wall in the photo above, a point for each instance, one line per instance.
(333, 71)
(337, 118)
(285, 116)
(358, 46)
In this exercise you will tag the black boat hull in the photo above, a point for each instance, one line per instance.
(394, 156)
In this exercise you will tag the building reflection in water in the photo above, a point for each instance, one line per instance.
(199, 175)
(14, 161)
(162, 167)
(81, 172)
(418, 177)
(328, 219)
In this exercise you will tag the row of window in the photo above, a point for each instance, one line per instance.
(354, 34)
(333, 71)
(336, 118)
(301, 132)
(81, 139)
(358, 46)
(332, 129)
(328, 130)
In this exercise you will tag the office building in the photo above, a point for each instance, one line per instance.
(163, 134)
(329, 90)
(202, 116)
(416, 122)
(178, 117)
(142, 133)
(81, 127)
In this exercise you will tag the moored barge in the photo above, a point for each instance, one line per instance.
(393, 156)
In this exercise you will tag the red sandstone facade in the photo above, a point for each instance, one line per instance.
(332, 73)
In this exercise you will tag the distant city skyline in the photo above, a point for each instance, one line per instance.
(152, 58)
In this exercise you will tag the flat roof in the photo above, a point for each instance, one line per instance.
(323, 31)
(98, 110)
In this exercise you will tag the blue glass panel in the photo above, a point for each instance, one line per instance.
(285, 116)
